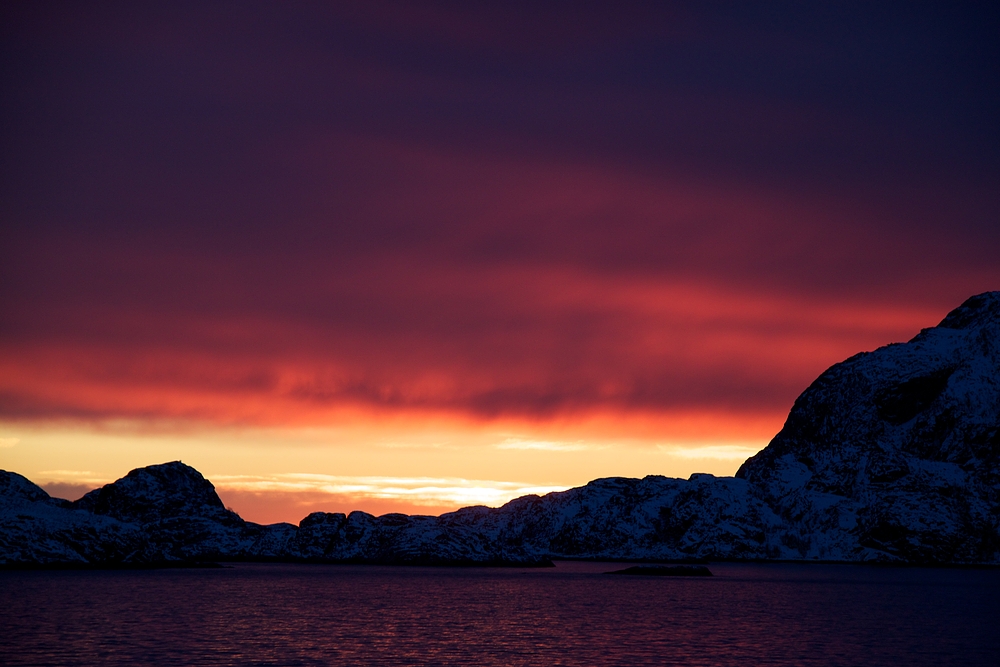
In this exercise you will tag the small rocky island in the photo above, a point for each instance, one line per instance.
(664, 571)
(890, 456)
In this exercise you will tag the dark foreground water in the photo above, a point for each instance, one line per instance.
(569, 615)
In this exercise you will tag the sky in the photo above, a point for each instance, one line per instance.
(415, 256)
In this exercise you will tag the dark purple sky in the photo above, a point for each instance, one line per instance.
(253, 212)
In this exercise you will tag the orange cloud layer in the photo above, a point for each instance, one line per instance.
(573, 345)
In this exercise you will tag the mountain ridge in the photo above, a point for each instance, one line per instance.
(890, 456)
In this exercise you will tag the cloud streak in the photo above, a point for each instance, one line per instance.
(267, 496)
(429, 490)
(544, 445)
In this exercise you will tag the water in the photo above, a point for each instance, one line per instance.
(569, 615)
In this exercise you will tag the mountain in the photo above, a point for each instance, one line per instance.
(37, 529)
(895, 454)
(177, 510)
(889, 456)
(170, 514)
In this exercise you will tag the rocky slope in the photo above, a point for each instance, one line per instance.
(37, 529)
(895, 454)
(892, 455)
(169, 513)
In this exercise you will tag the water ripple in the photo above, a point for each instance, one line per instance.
(570, 615)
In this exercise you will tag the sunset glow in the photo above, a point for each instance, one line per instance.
(380, 258)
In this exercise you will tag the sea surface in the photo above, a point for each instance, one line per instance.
(254, 614)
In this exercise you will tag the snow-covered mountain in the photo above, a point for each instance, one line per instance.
(891, 455)
(169, 513)
(895, 454)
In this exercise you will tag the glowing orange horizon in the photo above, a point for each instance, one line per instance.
(677, 379)
(382, 462)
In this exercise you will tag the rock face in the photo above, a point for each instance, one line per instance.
(37, 529)
(892, 455)
(176, 509)
(895, 454)
(169, 513)
(656, 518)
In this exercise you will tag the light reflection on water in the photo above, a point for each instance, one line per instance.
(571, 615)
